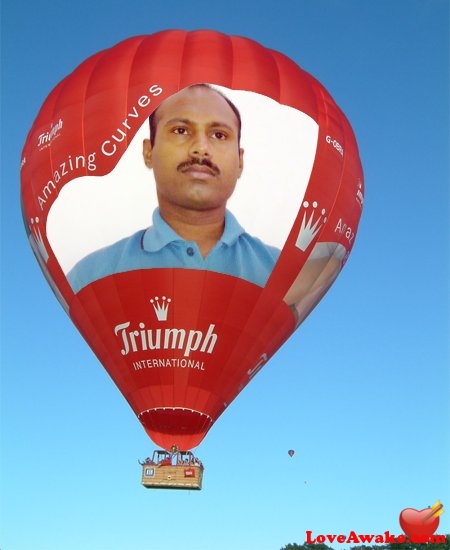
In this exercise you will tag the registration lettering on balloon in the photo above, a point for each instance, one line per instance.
(189, 214)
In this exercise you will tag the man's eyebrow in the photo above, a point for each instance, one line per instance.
(178, 121)
(214, 124)
(222, 125)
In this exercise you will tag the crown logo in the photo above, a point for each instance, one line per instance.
(38, 240)
(161, 307)
(359, 194)
(309, 228)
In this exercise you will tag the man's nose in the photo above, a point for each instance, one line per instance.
(200, 146)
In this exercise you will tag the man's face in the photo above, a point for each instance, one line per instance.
(196, 157)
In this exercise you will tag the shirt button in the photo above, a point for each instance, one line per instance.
(190, 251)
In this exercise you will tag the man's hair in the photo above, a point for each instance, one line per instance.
(153, 123)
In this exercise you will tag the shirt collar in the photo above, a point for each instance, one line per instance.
(160, 234)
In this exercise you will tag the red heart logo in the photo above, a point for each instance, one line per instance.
(413, 524)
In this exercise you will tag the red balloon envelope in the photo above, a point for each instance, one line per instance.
(180, 331)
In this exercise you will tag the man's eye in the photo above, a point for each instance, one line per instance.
(219, 135)
(180, 130)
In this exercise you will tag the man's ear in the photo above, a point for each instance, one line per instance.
(147, 153)
(241, 161)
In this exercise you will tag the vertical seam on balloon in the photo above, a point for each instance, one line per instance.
(325, 113)
(182, 60)
(275, 62)
(345, 129)
(231, 77)
(130, 71)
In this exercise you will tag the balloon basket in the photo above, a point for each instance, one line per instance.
(175, 470)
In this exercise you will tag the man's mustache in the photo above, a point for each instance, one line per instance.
(199, 161)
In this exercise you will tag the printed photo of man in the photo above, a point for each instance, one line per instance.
(195, 154)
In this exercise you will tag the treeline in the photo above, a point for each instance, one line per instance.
(437, 544)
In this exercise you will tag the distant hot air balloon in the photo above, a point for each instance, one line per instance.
(184, 308)
(291, 453)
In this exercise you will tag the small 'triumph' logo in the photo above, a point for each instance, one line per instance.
(161, 307)
(47, 137)
(308, 229)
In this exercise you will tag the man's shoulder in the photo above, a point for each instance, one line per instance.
(116, 249)
(235, 233)
(104, 261)
(259, 247)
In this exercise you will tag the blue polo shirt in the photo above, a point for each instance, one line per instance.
(236, 253)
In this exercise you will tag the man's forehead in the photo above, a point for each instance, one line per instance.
(197, 102)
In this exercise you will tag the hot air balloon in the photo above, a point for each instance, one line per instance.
(183, 300)
(291, 453)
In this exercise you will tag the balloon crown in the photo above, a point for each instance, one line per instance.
(308, 229)
(161, 308)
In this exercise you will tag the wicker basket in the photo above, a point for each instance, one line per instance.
(179, 470)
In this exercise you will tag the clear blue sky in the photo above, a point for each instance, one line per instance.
(361, 391)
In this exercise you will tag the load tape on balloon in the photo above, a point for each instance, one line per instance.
(182, 323)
